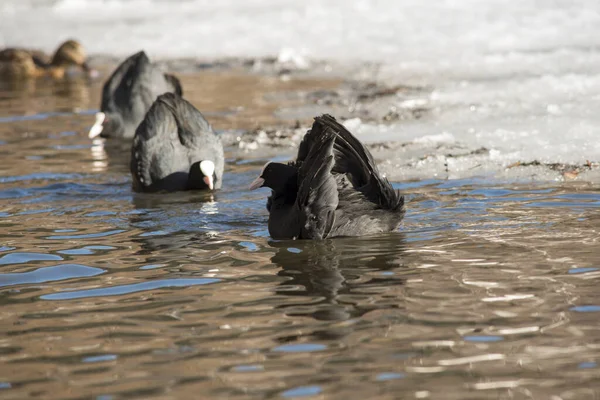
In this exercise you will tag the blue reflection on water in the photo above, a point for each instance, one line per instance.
(100, 358)
(388, 376)
(302, 391)
(587, 365)
(300, 347)
(590, 308)
(49, 274)
(87, 235)
(127, 289)
(21, 258)
(483, 338)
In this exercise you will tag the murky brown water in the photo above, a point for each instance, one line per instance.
(490, 290)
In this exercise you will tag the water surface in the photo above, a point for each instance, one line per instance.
(489, 290)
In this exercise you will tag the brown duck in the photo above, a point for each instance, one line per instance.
(21, 63)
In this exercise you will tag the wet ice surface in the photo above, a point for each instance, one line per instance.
(505, 83)
(489, 290)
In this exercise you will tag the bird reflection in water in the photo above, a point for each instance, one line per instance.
(99, 156)
(169, 229)
(30, 97)
(205, 202)
(329, 272)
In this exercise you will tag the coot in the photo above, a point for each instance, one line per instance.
(175, 148)
(332, 189)
(128, 94)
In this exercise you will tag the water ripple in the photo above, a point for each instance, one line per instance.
(128, 289)
(49, 274)
(21, 258)
(489, 285)
(87, 235)
(302, 391)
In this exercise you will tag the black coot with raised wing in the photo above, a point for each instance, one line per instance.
(332, 189)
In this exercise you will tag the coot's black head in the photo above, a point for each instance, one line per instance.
(277, 176)
(202, 176)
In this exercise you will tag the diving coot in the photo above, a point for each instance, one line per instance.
(128, 94)
(175, 148)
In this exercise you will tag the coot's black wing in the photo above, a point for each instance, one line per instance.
(317, 196)
(355, 161)
(310, 138)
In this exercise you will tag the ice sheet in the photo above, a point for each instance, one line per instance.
(518, 78)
